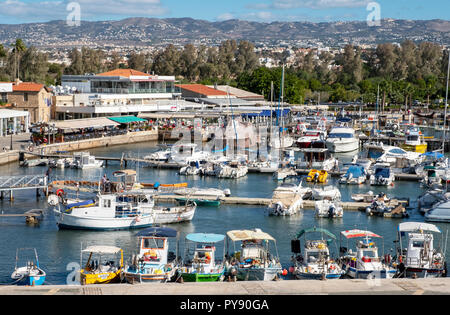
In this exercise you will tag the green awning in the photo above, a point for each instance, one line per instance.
(319, 230)
(127, 119)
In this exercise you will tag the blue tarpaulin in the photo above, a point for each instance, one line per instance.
(83, 204)
(356, 171)
(384, 172)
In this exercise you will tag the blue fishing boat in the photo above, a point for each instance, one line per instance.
(30, 274)
(154, 262)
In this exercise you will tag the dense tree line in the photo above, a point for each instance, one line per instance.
(391, 74)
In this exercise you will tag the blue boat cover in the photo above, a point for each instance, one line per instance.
(356, 171)
(205, 238)
(384, 172)
(84, 204)
(158, 232)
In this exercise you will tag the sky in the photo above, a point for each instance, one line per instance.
(27, 11)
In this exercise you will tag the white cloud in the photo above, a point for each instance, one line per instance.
(225, 17)
(318, 4)
(56, 10)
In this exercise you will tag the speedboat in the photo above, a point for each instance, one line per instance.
(420, 258)
(233, 170)
(287, 199)
(154, 262)
(356, 175)
(327, 192)
(96, 271)
(315, 263)
(328, 209)
(283, 173)
(309, 138)
(439, 212)
(84, 160)
(254, 261)
(342, 140)
(382, 175)
(202, 266)
(365, 262)
(31, 274)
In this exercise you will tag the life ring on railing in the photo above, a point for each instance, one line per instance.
(60, 192)
(30, 148)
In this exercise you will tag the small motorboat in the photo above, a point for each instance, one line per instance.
(287, 199)
(315, 262)
(31, 274)
(104, 265)
(203, 266)
(283, 173)
(329, 192)
(356, 175)
(365, 263)
(253, 261)
(202, 202)
(329, 209)
(383, 175)
(154, 262)
(420, 258)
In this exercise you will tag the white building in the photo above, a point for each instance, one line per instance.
(118, 92)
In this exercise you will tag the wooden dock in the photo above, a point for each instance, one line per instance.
(308, 204)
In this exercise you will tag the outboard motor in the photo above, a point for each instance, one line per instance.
(331, 211)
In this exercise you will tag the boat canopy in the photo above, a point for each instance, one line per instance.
(124, 173)
(205, 238)
(383, 172)
(359, 233)
(356, 171)
(248, 235)
(417, 226)
(318, 230)
(102, 249)
(158, 232)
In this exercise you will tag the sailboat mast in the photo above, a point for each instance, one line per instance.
(446, 104)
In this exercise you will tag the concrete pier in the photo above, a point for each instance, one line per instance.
(269, 288)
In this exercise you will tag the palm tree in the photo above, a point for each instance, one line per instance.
(386, 87)
(18, 48)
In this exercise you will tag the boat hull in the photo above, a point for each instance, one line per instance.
(370, 274)
(315, 276)
(203, 277)
(258, 274)
(342, 147)
(71, 222)
(411, 272)
(100, 278)
(421, 148)
(132, 278)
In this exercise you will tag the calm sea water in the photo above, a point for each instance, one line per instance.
(57, 249)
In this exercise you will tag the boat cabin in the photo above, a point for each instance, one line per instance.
(154, 250)
(316, 251)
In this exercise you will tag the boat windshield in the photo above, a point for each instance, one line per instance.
(384, 172)
(153, 243)
(374, 153)
(418, 244)
(369, 254)
(340, 136)
(412, 138)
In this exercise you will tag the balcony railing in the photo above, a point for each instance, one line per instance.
(135, 91)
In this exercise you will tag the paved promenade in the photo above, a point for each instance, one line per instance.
(337, 287)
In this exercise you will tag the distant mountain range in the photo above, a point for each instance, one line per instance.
(150, 31)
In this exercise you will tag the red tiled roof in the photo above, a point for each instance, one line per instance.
(202, 89)
(123, 73)
(27, 87)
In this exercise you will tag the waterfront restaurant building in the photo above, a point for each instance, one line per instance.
(115, 93)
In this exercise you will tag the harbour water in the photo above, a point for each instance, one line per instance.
(57, 249)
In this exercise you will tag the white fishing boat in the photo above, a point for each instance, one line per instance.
(365, 262)
(287, 199)
(131, 210)
(317, 159)
(342, 140)
(315, 263)
(420, 258)
(159, 156)
(84, 160)
(382, 175)
(196, 192)
(153, 262)
(254, 260)
(193, 167)
(431, 197)
(183, 152)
